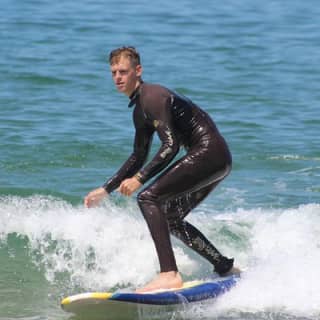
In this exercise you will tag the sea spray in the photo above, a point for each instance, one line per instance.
(282, 275)
(109, 247)
(99, 248)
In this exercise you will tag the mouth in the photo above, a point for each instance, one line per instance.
(120, 85)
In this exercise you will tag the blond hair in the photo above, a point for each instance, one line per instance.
(128, 52)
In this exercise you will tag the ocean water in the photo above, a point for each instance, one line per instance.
(254, 66)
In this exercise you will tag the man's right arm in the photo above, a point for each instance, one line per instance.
(142, 142)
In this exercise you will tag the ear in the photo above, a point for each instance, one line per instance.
(139, 70)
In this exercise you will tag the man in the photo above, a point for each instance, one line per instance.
(182, 185)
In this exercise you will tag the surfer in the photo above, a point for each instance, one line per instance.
(178, 187)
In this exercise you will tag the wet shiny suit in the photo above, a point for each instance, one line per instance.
(185, 183)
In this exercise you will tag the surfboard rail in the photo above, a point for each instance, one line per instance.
(193, 291)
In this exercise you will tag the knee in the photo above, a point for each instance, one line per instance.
(149, 206)
(146, 196)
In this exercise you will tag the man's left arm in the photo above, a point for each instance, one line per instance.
(161, 117)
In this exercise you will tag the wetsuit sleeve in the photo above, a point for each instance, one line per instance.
(142, 142)
(158, 110)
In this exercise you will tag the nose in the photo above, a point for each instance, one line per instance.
(116, 75)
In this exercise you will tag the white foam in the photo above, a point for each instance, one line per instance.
(100, 248)
(110, 246)
(284, 263)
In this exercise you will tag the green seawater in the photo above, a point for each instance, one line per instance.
(254, 66)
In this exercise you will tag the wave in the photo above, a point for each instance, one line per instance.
(294, 157)
(109, 247)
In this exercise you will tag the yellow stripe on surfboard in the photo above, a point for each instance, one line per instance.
(88, 295)
(190, 284)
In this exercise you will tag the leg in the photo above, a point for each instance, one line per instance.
(190, 235)
(196, 241)
(158, 226)
(178, 189)
(169, 277)
(183, 186)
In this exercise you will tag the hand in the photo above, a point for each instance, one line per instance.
(129, 186)
(94, 197)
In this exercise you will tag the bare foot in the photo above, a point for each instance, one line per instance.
(165, 280)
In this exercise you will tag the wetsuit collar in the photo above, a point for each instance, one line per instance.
(134, 95)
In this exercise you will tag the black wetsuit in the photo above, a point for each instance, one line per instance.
(183, 184)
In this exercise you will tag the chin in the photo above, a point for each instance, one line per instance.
(122, 90)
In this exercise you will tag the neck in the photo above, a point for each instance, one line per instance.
(135, 89)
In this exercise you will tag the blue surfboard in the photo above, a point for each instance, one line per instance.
(192, 291)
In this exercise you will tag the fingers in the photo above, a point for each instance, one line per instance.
(94, 197)
(125, 188)
(89, 201)
(129, 186)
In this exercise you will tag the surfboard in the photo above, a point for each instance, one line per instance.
(114, 303)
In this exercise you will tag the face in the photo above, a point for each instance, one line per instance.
(125, 76)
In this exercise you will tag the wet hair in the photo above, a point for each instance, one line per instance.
(128, 52)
